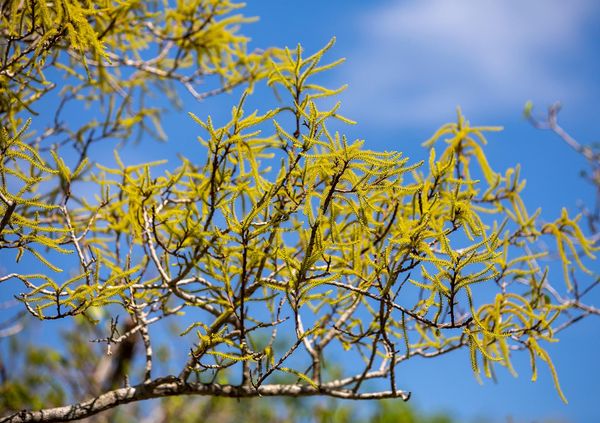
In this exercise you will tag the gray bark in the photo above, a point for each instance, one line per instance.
(172, 386)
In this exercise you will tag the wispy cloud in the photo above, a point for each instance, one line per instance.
(418, 60)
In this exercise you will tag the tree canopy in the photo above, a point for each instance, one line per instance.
(297, 262)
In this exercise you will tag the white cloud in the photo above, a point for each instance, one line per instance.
(417, 60)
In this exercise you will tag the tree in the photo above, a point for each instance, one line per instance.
(590, 212)
(288, 248)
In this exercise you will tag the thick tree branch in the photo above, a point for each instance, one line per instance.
(172, 386)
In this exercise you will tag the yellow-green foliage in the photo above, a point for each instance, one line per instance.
(285, 219)
(103, 52)
(26, 217)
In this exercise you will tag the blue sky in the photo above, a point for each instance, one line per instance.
(409, 64)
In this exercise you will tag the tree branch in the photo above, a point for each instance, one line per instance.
(172, 386)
